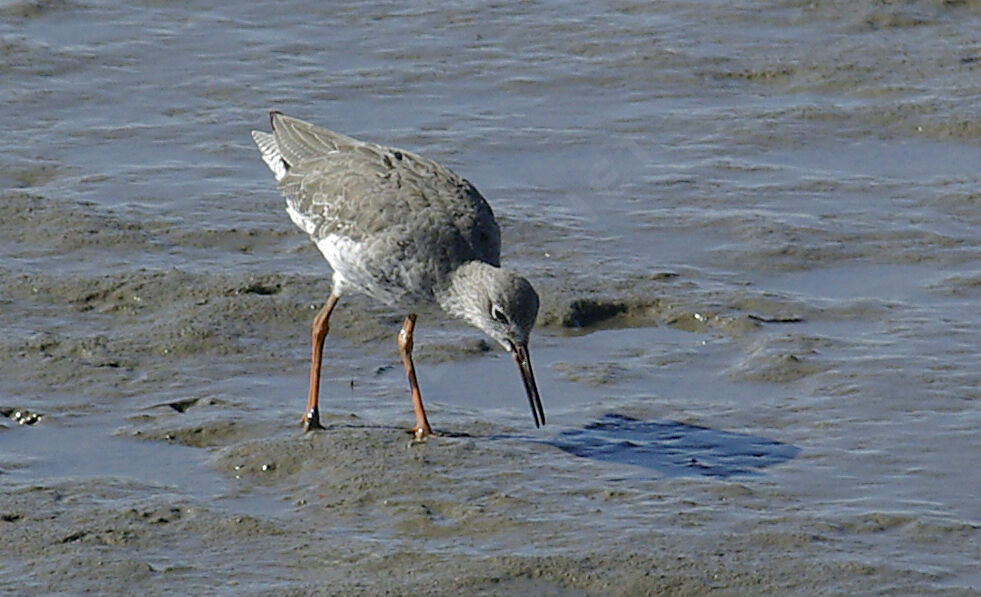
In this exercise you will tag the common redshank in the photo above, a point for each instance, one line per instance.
(404, 230)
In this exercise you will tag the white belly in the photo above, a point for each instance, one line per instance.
(348, 260)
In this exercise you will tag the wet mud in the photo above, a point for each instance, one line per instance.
(753, 227)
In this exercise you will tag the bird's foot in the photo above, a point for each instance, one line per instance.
(311, 420)
(420, 433)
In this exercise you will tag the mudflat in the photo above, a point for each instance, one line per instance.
(754, 229)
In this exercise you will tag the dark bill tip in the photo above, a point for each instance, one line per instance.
(528, 377)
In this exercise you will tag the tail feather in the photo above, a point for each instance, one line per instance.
(270, 153)
(292, 141)
(299, 140)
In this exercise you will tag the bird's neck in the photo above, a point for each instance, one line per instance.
(458, 295)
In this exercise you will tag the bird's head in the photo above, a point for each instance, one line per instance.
(504, 305)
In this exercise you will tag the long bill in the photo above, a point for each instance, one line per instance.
(520, 353)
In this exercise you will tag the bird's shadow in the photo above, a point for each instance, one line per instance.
(673, 449)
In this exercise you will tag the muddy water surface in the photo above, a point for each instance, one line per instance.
(754, 227)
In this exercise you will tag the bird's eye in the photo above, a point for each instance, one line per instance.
(499, 315)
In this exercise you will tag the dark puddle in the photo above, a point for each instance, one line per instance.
(673, 449)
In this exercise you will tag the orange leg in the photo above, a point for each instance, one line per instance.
(422, 428)
(311, 418)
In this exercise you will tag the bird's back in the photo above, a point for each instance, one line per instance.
(392, 223)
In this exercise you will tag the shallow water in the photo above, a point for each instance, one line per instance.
(767, 215)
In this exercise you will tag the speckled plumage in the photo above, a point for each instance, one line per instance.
(391, 224)
(404, 230)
